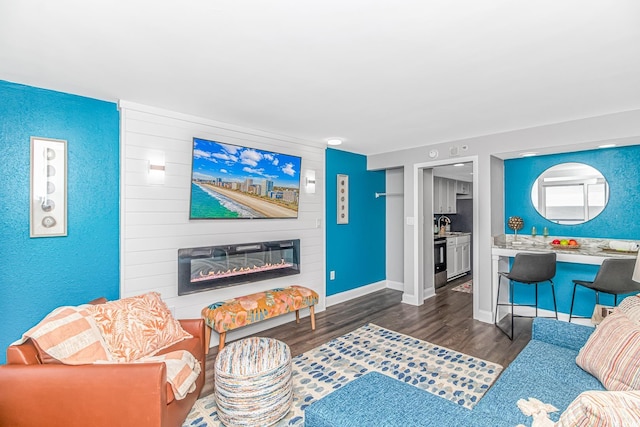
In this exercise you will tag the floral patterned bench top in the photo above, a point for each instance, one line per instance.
(244, 310)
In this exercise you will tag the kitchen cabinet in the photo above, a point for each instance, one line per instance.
(458, 256)
(451, 256)
(444, 195)
(466, 257)
(463, 187)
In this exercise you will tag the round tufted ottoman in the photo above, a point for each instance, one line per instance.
(252, 382)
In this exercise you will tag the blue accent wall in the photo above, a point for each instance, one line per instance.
(40, 274)
(617, 221)
(355, 251)
(619, 167)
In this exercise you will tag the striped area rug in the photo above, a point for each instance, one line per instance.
(452, 375)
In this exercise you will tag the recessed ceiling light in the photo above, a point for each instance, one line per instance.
(334, 141)
(606, 145)
(458, 165)
(530, 154)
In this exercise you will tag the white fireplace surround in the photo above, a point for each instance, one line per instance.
(154, 214)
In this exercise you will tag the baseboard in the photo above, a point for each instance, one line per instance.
(484, 316)
(355, 293)
(429, 293)
(531, 311)
(410, 299)
(396, 286)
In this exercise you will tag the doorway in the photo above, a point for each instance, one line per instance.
(447, 207)
(453, 219)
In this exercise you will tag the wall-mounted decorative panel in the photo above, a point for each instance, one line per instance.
(48, 202)
(343, 199)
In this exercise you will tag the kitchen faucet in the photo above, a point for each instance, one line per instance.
(442, 228)
(446, 219)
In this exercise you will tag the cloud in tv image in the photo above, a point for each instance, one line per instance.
(230, 181)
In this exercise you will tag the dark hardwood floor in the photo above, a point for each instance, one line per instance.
(445, 320)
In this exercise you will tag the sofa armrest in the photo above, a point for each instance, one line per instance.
(105, 395)
(560, 333)
(194, 326)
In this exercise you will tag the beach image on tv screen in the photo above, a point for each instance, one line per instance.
(230, 181)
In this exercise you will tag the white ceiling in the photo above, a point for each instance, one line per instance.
(462, 172)
(383, 75)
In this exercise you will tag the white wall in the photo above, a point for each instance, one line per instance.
(395, 227)
(155, 216)
(488, 193)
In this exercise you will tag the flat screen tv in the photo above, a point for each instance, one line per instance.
(229, 181)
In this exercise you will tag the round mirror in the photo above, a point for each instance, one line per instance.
(570, 193)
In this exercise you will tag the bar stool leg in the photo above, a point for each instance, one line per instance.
(573, 298)
(536, 300)
(495, 316)
(512, 317)
(553, 294)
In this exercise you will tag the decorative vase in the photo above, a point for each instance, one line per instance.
(515, 223)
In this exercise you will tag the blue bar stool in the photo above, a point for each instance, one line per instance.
(527, 268)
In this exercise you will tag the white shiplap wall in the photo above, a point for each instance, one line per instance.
(155, 216)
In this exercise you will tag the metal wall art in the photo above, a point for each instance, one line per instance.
(343, 199)
(48, 202)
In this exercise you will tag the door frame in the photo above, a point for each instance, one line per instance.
(423, 284)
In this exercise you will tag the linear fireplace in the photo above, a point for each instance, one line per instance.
(212, 267)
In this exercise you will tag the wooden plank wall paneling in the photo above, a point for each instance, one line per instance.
(155, 217)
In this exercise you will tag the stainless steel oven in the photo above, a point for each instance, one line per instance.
(440, 260)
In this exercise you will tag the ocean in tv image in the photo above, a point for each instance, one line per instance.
(230, 181)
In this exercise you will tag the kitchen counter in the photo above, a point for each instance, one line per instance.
(453, 234)
(590, 251)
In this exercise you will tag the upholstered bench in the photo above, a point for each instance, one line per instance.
(245, 310)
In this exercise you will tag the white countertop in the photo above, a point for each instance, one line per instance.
(453, 234)
(590, 251)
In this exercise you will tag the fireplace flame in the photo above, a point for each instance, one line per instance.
(213, 275)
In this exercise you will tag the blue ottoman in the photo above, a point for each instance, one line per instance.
(378, 400)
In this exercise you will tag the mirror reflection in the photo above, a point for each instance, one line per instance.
(570, 193)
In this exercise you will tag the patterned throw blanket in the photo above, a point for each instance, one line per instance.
(70, 335)
(182, 371)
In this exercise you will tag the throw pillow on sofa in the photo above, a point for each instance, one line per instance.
(138, 326)
(631, 307)
(611, 353)
(602, 408)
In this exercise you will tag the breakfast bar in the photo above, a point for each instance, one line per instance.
(584, 258)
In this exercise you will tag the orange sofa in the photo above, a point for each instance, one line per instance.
(33, 393)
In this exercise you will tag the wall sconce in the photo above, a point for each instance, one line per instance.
(310, 181)
(156, 168)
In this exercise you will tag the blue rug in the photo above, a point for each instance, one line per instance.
(446, 373)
